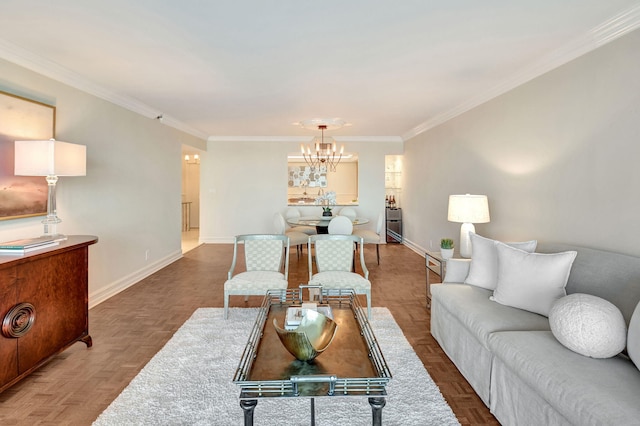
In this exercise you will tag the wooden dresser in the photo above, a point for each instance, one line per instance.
(43, 306)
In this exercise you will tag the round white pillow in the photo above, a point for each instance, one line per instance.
(588, 325)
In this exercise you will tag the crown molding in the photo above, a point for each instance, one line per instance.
(368, 139)
(179, 125)
(19, 56)
(304, 139)
(610, 30)
(299, 139)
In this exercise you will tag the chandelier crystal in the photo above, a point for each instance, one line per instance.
(325, 153)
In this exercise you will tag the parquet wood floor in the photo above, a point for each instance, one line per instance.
(128, 329)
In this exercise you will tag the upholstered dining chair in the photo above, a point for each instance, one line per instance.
(371, 237)
(263, 254)
(341, 225)
(348, 212)
(296, 238)
(294, 213)
(334, 265)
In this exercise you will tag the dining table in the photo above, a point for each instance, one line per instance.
(321, 222)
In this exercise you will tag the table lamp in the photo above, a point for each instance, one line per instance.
(468, 209)
(50, 158)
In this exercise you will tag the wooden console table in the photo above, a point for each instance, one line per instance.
(43, 306)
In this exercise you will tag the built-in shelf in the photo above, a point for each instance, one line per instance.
(393, 177)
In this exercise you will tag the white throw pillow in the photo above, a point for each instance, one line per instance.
(531, 281)
(633, 337)
(483, 271)
(588, 325)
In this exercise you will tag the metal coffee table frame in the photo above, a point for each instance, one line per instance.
(305, 383)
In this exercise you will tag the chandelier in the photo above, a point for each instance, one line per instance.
(325, 153)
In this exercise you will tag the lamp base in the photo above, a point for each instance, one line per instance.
(52, 220)
(51, 228)
(465, 240)
(56, 237)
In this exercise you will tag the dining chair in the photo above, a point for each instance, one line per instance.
(371, 237)
(334, 257)
(341, 225)
(348, 212)
(263, 255)
(294, 213)
(297, 239)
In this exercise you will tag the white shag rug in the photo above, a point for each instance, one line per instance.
(189, 382)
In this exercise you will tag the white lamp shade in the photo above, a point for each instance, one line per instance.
(468, 208)
(50, 158)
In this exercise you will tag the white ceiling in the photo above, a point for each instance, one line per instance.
(253, 67)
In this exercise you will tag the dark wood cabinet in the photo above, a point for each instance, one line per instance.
(49, 289)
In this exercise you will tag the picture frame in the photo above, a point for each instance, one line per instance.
(305, 176)
(22, 119)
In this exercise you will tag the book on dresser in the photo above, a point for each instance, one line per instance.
(27, 245)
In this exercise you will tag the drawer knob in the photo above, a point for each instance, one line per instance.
(18, 320)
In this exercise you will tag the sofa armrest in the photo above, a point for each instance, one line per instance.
(457, 270)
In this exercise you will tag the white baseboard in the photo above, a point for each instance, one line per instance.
(223, 240)
(131, 279)
(415, 247)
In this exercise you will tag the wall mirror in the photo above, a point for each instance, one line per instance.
(305, 184)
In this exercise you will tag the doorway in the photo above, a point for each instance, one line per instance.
(190, 198)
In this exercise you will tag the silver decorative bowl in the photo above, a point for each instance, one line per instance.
(314, 334)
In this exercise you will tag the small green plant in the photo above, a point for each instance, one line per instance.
(327, 209)
(446, 243)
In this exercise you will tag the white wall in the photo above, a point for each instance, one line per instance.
(130, 197)
(558, 158)
(243, 184)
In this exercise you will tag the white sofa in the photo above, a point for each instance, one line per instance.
(515, 364)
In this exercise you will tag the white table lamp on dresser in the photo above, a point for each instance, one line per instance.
(50, 158)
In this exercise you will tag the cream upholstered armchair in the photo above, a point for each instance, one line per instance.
(334, 260)
(264, 263)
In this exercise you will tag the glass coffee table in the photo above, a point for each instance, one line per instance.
(353, 365)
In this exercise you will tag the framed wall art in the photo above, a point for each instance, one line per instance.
(22, 119)
(305, 176)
